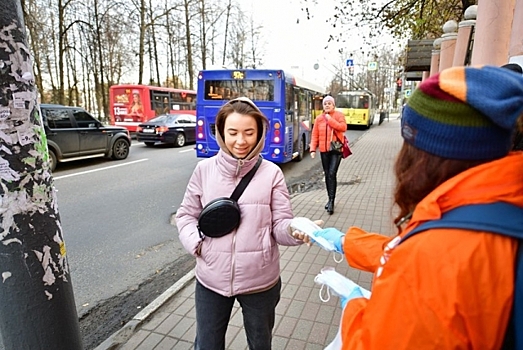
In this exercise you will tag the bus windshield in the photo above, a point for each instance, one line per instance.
(256, 90)
(352, 101)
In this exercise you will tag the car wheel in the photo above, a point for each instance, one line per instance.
(120, 149)
(52, 160)
(180, 140)
(149, 144)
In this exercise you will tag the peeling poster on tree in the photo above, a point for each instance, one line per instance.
(4, 113)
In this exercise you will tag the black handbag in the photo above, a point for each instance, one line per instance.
(222, 215)
(336, 146)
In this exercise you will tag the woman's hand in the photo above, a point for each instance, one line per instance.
(334, 236)
(302, 236)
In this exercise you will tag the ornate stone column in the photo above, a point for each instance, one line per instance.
(515, 51)
(434, 60)
(492, 31)
(465, 32)
(448, 44)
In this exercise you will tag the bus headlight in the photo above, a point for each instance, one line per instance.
(277, 151)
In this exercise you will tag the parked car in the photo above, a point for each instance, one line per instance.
(74, 134)
(175, 129)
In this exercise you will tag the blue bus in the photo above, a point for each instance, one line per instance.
(289, 103)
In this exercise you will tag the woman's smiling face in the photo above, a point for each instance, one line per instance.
(241, 134)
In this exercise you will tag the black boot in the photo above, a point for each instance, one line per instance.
(327, 205)
(330, 207)
(331, 192)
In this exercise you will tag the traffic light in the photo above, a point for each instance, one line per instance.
(399, 82)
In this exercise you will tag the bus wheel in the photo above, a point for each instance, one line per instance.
(180, 140)
(301, 150)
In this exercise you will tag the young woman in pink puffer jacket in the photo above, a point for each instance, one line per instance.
(243, 265)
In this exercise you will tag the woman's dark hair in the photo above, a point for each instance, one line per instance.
(418, 173)
(240, 107)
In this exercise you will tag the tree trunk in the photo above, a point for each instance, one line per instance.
(37, 308)
(203, 32)
(61, 49)
(141, 51)
(102, 88)
(190, 64)
(226, 32)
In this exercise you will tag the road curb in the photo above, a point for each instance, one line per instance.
(124, 333)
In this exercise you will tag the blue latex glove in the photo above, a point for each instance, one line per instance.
(332, 235)
(356, 293)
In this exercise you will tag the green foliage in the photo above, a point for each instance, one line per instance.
(413, 19)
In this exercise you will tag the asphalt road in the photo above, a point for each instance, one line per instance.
(116, 218)
(116, 215)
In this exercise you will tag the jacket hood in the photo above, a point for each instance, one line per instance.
(255, 152)
(499, 180)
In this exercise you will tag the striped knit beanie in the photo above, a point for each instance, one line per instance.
(466, 113)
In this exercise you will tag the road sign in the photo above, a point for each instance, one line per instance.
(372, 65)
(350, 62)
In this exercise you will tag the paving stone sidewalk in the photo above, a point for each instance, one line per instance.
(303, 321)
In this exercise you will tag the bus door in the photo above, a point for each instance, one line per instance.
(296, 119)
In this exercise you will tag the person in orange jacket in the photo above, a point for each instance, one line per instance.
(329, 126)
(443, 288)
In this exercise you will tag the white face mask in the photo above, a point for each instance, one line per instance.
(309, 227)
(338, 284)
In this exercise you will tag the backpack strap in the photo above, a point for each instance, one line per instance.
(500, 218)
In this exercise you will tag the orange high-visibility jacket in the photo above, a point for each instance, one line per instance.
(323, 130)
(442, 288)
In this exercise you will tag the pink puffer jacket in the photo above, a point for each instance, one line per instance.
(247, 259)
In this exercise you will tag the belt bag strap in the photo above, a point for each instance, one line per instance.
(245, 181)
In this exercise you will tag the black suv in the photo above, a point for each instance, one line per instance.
(74, 134)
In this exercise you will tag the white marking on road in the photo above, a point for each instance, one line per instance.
(100, 169)
(187, 150)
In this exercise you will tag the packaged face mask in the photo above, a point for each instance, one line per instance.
(339, 285)
(308, 227)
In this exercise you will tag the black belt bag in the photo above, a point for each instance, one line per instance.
(222, 215)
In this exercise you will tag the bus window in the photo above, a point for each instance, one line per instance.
(256, 90)
(363, 102)
(302, 105)
(344, 101)
(289, 97)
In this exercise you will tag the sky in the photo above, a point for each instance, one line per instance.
(292, 41)
(296, 43)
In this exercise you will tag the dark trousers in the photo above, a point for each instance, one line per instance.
(331, 162)
(213, 312)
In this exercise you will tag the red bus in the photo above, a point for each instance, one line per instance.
(130, 105)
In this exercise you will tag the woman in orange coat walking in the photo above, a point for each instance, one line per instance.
(444, 288)
(329, 126)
